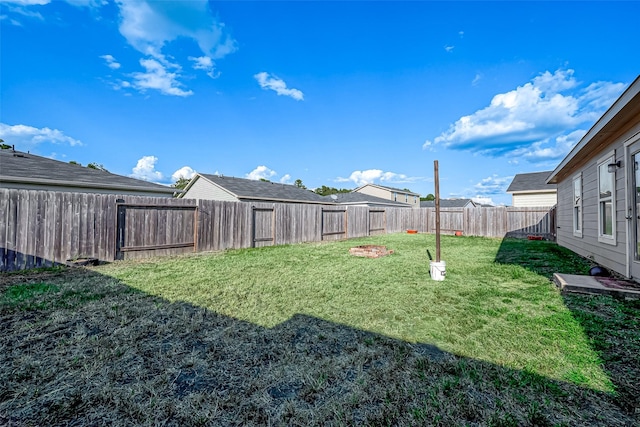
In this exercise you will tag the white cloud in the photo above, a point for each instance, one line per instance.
(111, 62)
(372, 175)
(483, 191)
(483, 200)
(476, 79)
(27, 2)
(261, 172)
(550, 150)
(149, 25)
(184, 172)
(23, 136)
(279, 86)
(145, 169)
(157, 77)
(206, 64)
(533, 115)
(88, 3)
(286, 179)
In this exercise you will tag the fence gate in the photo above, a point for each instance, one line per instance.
(145, 230)
(334, 223)
(264, 227)
(377, 221)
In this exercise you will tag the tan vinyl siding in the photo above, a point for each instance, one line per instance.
(610, 256)
(205, 190)
(377, 192)
(525, 200)
(402, 197)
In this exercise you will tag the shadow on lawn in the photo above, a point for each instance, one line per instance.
(612, 325)
(78, 348)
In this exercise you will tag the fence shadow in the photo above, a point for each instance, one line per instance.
(80, 348)
(611, 325)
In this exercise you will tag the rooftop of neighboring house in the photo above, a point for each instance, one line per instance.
(355, 198)
(449, 203)
(531, 182)
(250, 189)
(397, 190)
(26, 168)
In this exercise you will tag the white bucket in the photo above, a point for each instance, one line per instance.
(438, 270)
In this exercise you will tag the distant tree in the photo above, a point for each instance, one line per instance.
(325, 191)
(428, 198)
(264, 180)
(97, 166)
(73, 162)
(181, 183)
(4, 146)
(298, 183)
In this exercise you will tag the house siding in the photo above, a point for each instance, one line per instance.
(611, 256)
(203, 189)
(526, 200)
(388, 195)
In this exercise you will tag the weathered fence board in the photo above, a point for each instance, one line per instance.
(42, 228)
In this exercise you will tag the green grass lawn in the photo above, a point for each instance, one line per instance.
(501, 312)
(310, 335)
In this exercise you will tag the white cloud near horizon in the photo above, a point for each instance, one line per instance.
(145, 169)
(266, 81)
(261, 172)
(184, 172)
(23, 136)
(286, 179)
(531, 120)
(370, 176)
(483, 200)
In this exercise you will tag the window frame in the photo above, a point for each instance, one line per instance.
(577, 205)
(602, 163)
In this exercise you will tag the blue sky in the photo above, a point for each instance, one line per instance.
(332, 93)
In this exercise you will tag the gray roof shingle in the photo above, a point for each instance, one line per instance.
(447, 203)
(536, 181)
(249, 189)
(355, 197)
(16, 166)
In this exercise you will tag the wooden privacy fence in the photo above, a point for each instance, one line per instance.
(44, 228)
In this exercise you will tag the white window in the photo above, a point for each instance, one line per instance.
(607, 200)
(577, 206)
(406, 198)
(395, 196)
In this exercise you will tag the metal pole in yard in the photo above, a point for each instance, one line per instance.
(437, 195)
